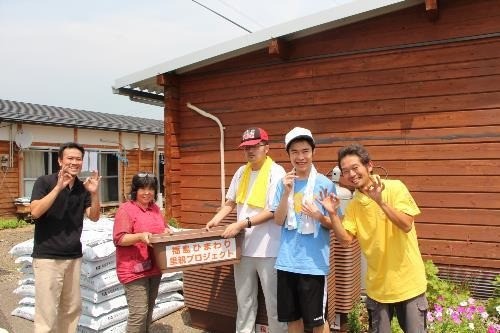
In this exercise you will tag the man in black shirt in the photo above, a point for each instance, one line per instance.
(58, 204)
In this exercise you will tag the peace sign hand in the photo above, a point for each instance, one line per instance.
(91, 184)
(63, 177)
(288, 180)
(329, 201)
(374, 190)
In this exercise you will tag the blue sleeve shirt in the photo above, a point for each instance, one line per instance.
(299, 253)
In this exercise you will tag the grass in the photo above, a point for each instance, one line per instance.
(12, 223)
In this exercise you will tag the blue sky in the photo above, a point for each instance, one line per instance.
(69, 53)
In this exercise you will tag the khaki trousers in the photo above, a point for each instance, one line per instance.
(247, 274)
(57, 295)
(141, 295)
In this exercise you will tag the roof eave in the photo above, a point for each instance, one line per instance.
(145, 80)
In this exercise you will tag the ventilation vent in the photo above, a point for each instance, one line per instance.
(478, 280)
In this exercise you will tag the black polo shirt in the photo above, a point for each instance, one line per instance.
(58, 231)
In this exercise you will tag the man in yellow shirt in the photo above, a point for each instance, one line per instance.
(381, 217)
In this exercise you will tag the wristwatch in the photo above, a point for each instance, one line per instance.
(249, 223)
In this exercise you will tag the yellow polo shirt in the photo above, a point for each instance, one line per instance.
(395, 268)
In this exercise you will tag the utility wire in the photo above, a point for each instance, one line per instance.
(241, 13)
(225, 18)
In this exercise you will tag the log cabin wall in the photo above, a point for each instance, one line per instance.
(423, 96)
(9, 182)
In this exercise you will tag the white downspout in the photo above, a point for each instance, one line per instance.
(221, 148)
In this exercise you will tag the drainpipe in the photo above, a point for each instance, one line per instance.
(221, 148)
(11, 147)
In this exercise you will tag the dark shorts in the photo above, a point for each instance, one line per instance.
(411, 314)
(302, 296)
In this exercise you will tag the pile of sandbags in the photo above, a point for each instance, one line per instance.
(26, 285)
(104, 307)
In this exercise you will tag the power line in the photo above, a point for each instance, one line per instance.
(241, 13)
(225, 18)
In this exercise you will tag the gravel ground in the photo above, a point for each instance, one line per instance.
(178, 321)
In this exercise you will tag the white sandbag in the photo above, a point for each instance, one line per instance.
(118, 328)
(26, 312)
(29, 301)
(163, 309)
(103, 295)
(26, 268)
(168, 286)
(100, 282)
(24, 260)
(98, 249)
(25, 290)
(104, 321)
(169, 297)
(172, 276)
(27, 279)
(95, 310)
(89, 236)
(104, 224)
(93, 268)
(22, 249)
(121, 327)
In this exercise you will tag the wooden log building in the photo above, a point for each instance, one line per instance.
(417, 82)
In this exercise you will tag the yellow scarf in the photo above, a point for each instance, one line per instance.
(257, 197)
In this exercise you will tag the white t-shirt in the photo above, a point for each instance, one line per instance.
(262, 240)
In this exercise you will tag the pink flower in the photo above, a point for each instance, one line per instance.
(438, 308)
(430, 318)
(455, 316)
(484, 315)
(471, 300)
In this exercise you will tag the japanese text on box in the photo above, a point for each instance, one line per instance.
(200, 252)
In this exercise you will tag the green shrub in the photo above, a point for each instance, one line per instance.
(442, 291)
(12, 223)
(173, 222)
(357, 319)
(494, 302)
(395, 326)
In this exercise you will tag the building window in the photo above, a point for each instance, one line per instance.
(108, 170)
(107, 165)
(36, 164)
(44, 162)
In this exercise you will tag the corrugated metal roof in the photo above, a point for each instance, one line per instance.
(143, 83)
(28, 113)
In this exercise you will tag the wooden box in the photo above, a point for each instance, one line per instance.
(196, 248)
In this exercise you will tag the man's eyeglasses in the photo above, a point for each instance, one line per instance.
(146, 174)
(257, 146)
